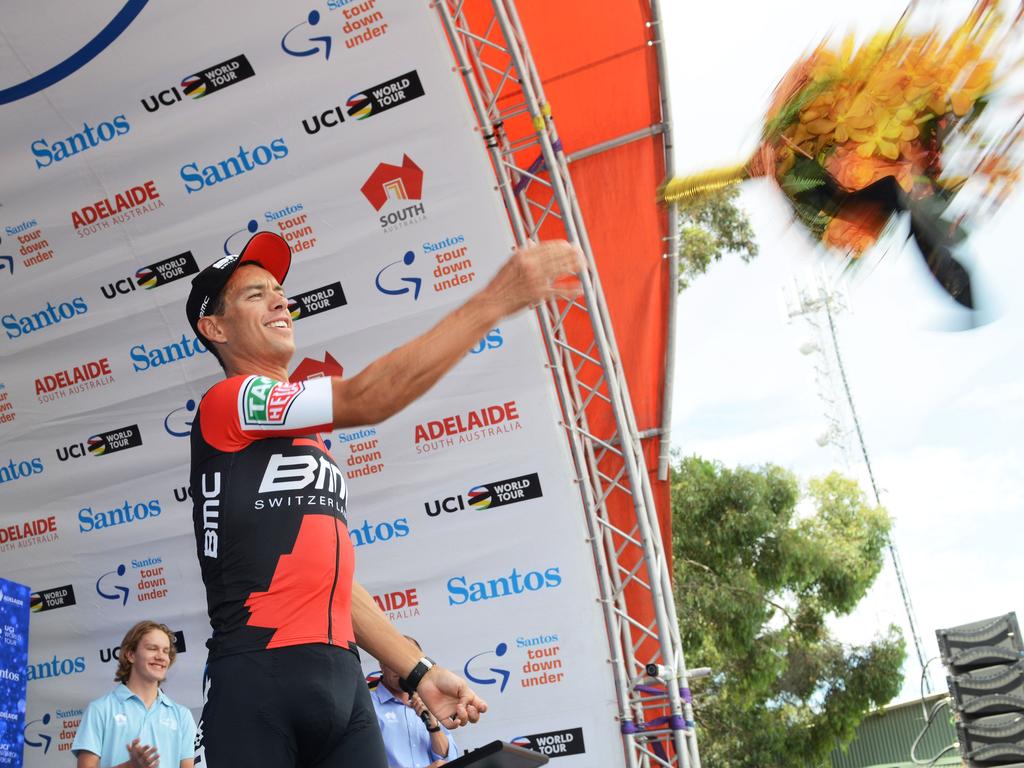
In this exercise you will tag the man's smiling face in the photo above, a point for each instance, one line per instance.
(152, 657)
(256, 324)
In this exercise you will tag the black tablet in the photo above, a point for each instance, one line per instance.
(498, 754)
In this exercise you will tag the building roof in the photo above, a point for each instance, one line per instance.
(885, 737)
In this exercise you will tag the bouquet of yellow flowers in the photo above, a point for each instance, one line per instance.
(856, 136)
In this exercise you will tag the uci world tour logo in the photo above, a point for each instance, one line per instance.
(217, 77)
(93, 48)
(117, 440)
(53, 598)
(202, 83)
(384, 96)
(316, 301)
(553, 743)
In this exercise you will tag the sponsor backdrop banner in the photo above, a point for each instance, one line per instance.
(142, 142)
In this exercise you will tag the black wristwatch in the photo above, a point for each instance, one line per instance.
(410, 683)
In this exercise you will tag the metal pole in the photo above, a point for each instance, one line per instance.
(904, 591)
(609, 464)
(672, 256)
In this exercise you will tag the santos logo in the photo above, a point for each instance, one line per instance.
(56, 667)
(88, 520)
(493, 340)
(383, 531)
(48, 153)
(197, 179)
(50, 315)
(13, 470)
(144, 358)
(462, 591)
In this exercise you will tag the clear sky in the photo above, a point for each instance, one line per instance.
(940, 410)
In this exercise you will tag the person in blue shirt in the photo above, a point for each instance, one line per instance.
(413, 738)
(137, 725)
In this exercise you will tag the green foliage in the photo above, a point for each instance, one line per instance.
(804, 176)
(790, 111)
(755, 582)
(708, 229)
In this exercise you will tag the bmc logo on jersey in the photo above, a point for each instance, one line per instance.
(266, 402)
(293, 473)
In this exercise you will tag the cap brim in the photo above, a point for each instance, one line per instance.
(271, 251)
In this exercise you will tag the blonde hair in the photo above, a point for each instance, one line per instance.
(131, 643)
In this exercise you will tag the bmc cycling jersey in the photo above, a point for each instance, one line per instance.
(269, 515)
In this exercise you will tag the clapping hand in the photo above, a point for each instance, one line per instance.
(142, 755)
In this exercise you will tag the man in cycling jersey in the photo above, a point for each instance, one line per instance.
(270, 516)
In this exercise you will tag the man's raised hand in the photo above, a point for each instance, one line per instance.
(537, 272)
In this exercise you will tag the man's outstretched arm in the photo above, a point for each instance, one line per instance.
(448, 697)
(533, 274)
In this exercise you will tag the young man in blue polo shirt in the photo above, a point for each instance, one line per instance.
(137, 725)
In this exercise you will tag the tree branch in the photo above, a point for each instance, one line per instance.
(718, 579)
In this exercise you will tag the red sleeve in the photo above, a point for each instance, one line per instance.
(241, 409)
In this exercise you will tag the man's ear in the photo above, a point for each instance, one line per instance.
(210, 327)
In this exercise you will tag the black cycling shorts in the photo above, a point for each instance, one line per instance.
(301, 706)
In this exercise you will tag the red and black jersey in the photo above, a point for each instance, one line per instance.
(269, 507)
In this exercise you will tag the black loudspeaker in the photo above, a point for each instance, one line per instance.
(988, 691)
(993, 741)
(981, 644)
(985, 662)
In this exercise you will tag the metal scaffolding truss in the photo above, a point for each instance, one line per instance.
(654, 704)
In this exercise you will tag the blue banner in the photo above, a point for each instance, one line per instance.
(14, 615)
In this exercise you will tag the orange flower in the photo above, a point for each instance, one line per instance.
(855, 227)
(854, 172)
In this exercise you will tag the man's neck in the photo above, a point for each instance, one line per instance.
(251, 368)
(145, 690)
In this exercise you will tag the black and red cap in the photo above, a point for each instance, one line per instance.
(270, 251)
